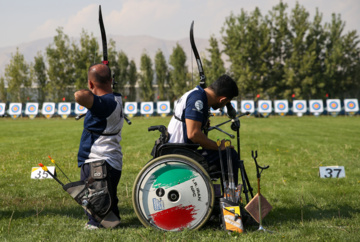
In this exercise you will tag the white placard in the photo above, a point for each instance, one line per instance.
(163, 107)
(15, 109)
(2, 109)
(234, 105)
(64, 108)
(316, 106)
(264, 106)
(80, 109)
(32, 109)
(217, 111)
(39, 173)
(281, 106)
(147, 108)
(299, 106)
(332, 171)
(333, 105)
(247, 106)
(130, 108)
(351, 105)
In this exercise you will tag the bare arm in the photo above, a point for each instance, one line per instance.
(193, 129)
(84, 98)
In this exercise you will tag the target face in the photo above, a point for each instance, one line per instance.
(147, 108)
(64, 108)
(247, 106)
(316, 106)
(281, 106)
(299, 106)
(333, 105)
(15, 108)
(351, 105)
(163, 107)
(48, 108)
(80, 109)
(130, 108)
(2, 109)
(264, 106)
(31, 108)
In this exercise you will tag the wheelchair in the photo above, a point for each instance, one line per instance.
(174, 190)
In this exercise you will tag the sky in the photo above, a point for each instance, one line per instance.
(23, 21)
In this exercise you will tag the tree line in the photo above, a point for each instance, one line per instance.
(279, 55)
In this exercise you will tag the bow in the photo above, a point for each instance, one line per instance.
(230, 110)
(103, 38)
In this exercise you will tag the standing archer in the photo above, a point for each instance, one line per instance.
(100, 140)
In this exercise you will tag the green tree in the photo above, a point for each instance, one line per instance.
(123, 75)
(161, 71)
(60, 67)
(146, 78)
(178, 73)
(214, 67)
(247, 43)
(84, 57)
(133, 77)
(3, 93)
(113, 63)
(39, 76)
(17, 75)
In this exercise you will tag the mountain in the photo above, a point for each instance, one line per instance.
(133, 46)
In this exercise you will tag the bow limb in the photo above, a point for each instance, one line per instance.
(103, 38)
(197, 57)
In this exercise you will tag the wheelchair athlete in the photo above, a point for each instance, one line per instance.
(191, 118)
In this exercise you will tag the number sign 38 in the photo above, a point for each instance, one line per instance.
(39, 173)
(332, 171)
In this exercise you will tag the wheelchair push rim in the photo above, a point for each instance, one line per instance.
(173, 192)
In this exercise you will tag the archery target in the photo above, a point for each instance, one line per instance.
(247, 106)
(15, 108)
(333, 105)
(64, 108)
(264, 106)
(163, 107)
(281, 106)
(316, 106)
(48, 108)
(2, 108)
(32, 109)
(147, 108)
(233, 104)
(351, 105)
(299, 106)
(130, 108)
(80, 109)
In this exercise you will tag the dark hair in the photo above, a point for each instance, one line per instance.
(225, 86)
(102, 74)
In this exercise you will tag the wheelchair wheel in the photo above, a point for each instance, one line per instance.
(173, 192)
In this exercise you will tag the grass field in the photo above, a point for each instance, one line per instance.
(305, 207)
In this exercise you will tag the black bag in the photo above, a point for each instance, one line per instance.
(93, 195)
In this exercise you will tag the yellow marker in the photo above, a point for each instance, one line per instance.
(52, 160)
(227, 143)
(218, 142)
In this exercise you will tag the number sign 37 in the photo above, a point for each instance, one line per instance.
(332, 171)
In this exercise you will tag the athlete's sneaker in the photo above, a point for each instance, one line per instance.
(90, 227)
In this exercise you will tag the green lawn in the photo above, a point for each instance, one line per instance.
(305, 207)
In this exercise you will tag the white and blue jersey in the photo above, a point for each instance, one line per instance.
(101, 136)
(192, 105)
